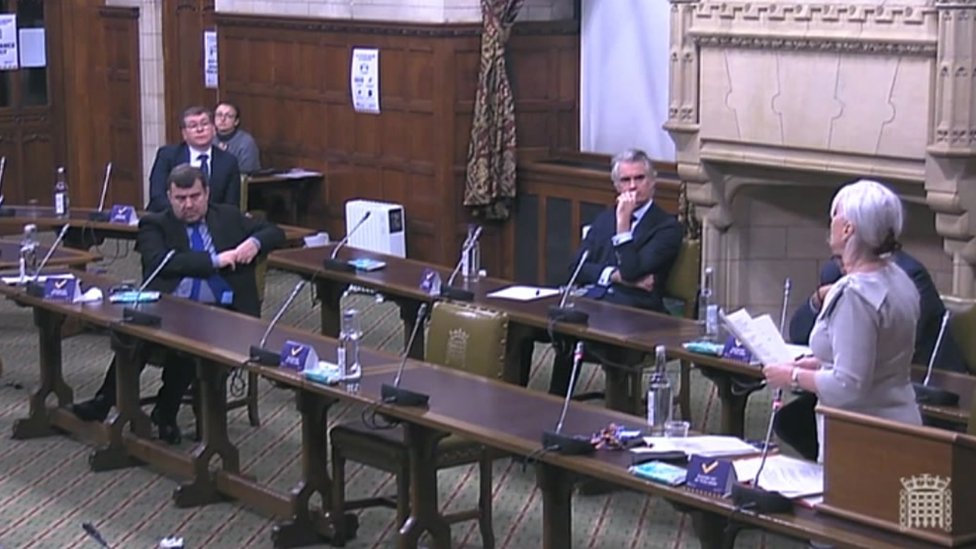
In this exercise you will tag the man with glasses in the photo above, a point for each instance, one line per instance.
(219, 167)
(231, 138)
(632, 247)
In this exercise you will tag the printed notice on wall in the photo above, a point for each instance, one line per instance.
(210, 59)
(33, 54)
(8, 41)
(364, 80)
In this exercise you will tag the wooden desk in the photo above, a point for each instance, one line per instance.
(85, 233)
(63, 257)
(297, 189)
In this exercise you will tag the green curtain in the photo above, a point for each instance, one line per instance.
(489, 188)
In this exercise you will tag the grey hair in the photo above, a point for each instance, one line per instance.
(628, 156)
(876, 214)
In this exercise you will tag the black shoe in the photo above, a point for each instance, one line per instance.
(96, 409)
(167, 431)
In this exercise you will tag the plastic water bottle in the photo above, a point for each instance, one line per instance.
(348, 353)
(708, 308)
(471, 264)
(28, 251)
(659, 403)
(62, 203)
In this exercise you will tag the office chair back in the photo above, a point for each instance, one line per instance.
(684, 278)
(468, 338)
(962, 326)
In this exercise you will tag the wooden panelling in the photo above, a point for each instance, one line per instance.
(183, 24)
(291, 79)
(568, 191)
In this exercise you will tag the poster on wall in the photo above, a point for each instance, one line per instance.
(8, 41)
(364, 80)
(210, 59)
(33, 53)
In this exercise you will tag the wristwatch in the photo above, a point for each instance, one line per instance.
(795, 379)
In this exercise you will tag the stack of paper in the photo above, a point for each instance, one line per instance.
(760, 336)
(794, 478)
(708, 446)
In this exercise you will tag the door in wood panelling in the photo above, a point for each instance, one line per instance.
(184, 22)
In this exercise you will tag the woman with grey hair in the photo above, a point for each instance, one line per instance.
(863, 338)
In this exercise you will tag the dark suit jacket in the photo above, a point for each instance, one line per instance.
(224, 181)
(656, 243)
(931, 310)
(161, 232)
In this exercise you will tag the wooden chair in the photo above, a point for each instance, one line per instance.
(682, 285)
(459, 336)
(962, 326)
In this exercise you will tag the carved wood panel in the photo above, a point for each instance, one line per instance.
(183, 24)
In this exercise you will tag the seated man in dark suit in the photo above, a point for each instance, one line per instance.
(795, 423)
(215, 248)
(219, 167)
(631, 245)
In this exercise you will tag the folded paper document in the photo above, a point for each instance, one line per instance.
(523, 293)
(760, 335)
(794, 478)
(707, 445)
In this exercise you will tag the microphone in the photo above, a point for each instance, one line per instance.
(787, 286)
(393, 394)
(562, 313)
(132, 315)
(4, 212)
(101, 215)
(754, 497)
(94, 534)
(452, 292)
(555, 440)
(35, 288)
(334, 264)
(259, 353)
(934, 395)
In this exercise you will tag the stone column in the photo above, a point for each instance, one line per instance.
(950, 162)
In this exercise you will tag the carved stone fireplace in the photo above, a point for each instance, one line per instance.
(774, 104)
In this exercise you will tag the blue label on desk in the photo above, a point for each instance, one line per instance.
(298, 356)
(122, 214)
(734, 350)
(710, 475)
(62, 289)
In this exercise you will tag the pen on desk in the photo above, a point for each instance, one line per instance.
(538, 292)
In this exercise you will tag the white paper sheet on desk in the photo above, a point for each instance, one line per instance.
(13, 280)
(299, 173)
(707, 445)
(523, 293)
(794, 478)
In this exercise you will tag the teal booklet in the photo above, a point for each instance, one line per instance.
(662, 472)
(367, 264)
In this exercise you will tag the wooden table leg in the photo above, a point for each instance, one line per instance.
(306, 525)
(329, 294)
(733, 400)
(556, 485)
(424, 513)
(212, 388)
(714, 531)
(38, 421)
(128, 366)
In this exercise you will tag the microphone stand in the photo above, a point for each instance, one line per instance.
(924, 394)
(571, 315)
(100, 214)
(4, 212)
(555, 440)
(333, 264)
(393, 394)
(259, 353)
(132, 315)
(35, 288)
(453, 292)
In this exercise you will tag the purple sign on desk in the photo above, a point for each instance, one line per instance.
(298, 356)
(710, 475)
(734, 350)
(62, 289)
(123, 214)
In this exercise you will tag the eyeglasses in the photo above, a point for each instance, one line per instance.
(197, 127)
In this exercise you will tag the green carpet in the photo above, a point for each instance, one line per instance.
(47, 491)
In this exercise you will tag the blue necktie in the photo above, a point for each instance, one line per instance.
(204, 167)
(198, 245)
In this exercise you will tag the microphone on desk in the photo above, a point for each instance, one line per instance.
(448, 291)
(35, 288)
(562, 313)
(259, 353)
(100, 214)
(924, 394)
(393, 394)
(555, 440)
(4, 212)
(755, 498)
(132, 315)
(334, 264)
